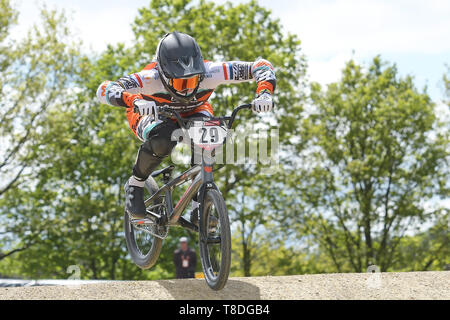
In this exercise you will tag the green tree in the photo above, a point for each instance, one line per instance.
(89, 149)
(425, 251)
(372, 155)
(275, 254)
(36, 73)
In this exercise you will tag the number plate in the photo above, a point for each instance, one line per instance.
(207, 134)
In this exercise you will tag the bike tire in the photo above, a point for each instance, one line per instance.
(215, 280)
(143, 261)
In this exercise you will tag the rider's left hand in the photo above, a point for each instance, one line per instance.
(263, 103)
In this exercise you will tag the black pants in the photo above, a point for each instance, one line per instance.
(185, 274)
(158, 145)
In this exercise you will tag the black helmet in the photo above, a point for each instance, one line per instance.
(180, 65)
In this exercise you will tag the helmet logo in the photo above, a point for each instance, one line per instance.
(186, 62)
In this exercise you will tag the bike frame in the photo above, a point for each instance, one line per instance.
(202, 176)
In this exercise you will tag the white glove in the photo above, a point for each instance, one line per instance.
(263, 103)
(146, 108)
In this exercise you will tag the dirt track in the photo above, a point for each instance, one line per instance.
(414, 285)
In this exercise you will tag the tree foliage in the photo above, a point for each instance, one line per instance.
(371, 158)
(36, 76)
(363, 162)
(89, 149)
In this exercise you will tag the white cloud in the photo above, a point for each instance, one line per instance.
(327, 70)
(97, 23)
(326, 27)
(369, 27)
(415, 32)
(329, 29)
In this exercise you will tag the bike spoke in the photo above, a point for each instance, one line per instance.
(143, 241)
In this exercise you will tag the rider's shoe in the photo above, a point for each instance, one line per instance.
(134, 198)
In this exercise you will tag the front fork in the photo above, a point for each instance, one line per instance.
(207, 175)
(208, 183)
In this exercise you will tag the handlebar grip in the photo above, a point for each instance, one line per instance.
(171, 113)
(164, 111)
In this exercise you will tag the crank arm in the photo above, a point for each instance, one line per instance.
(153, 215)
(142, 221)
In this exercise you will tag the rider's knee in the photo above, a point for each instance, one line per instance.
(160, 145)
(159, 140)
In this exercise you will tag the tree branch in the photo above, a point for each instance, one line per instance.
(22, 141)
(386, 214)
(11, 183)
(5, 255)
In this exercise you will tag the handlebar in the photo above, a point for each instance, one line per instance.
(166, 111)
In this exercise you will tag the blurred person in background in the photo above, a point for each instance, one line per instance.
(185, 260)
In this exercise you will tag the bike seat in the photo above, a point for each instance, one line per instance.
(163, 171)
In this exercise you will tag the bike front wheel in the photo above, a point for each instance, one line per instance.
(215, 240)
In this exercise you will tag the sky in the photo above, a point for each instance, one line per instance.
(413, 34)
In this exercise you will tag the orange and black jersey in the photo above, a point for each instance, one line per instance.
(147, 85)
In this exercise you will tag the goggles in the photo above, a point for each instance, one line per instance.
(185, 85)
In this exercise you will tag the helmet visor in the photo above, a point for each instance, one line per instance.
(185, 86)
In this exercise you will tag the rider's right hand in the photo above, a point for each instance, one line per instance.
(263, 103)
(145, 108)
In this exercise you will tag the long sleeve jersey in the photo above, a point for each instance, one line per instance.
(147, 85)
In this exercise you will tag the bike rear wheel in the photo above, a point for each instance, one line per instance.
(215, 241)
(143, 247)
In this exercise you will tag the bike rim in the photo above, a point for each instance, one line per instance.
(214, 250)
(142, 238)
